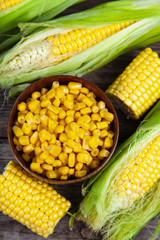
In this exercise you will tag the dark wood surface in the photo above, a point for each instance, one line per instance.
(11, 229)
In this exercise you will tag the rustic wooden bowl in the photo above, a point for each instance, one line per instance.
(47, 82)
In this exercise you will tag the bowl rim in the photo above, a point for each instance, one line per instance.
(58, 78)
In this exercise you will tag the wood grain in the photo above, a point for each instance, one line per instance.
(11, 229)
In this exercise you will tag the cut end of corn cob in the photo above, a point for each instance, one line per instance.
(5, 4)
(138, 87)
(140, 174)
(59, 47)
(30, 201)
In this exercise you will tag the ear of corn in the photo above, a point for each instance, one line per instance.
(138, 87)
(81, 62)
(120, 200)
(31, 202)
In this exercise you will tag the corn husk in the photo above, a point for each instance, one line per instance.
(145, 31)
(101, 209)
(27, 10)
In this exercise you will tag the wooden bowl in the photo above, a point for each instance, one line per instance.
(47, 82)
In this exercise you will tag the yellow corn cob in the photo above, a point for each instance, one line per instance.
(60, 47)
(31, 202)
(141, 173)
(138, 87)
(4, 4)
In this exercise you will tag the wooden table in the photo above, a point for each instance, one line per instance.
(11, 229)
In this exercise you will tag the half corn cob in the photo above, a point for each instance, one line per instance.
(120, 200)
(86, 57)
(138, 87)
(31, 202)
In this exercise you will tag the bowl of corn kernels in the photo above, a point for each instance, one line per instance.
(63, 129)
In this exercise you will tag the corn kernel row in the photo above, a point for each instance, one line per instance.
(30, 201)
(63, 132)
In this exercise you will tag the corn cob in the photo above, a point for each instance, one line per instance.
(141, 173)
(138, 87)
(120, 200)
(60, 47)
(4, 4)
(29, 201)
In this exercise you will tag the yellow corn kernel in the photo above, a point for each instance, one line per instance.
(22, 107)
(44, 135)
(74, 91)
(71, 171)
(34, 137)
(55, 84)
(71, 134)
(109, 116)
(87, 101)
(17, 131)
(29, 117)
(63, 157)
(81, 173)
(84, 157)
(50, 94)
(68, 104)
(57, 163)
(80, 97)
(56, 102)
(54, 150)
(70, 113)
(95, 152)
(49, 159)
(62, 114)
(77, 115)
(108, 142)
(102, 125)
(95, 108)
(37, 150)
(74, 126)
(71, 160)
(24, 140)
(51, 174)
(94, 164)
(26, 157)
(44, 146)
(38, 143)
(53, 109)
(101, 105)
(81, 133)
(95, 117)
(86, 110)
(59, 93)
(84, 90)
(52, 124)
(36, 95)
(74, 85)
(110, 134)
(103, 133)
(69, 119)
(34, 106)
(64, 89)
(79, 105)
(67, 149)
(63, 137)
(64, 177)
(21, 118)
(103, 112)
(26, 128)
(45, 103)
(44, 91)
(96, 132)
(93, 141)
(63, 170)
(79, 166)
(43, 111)
(36, 167)
(77, 147)
(52, 115)
(44, 120)
(42, 156)
(59, 129)
(47, 167)
(103, 153)
(85, 143)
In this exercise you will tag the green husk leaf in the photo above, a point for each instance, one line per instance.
(16, 90)
(37, 10)
(102, 209)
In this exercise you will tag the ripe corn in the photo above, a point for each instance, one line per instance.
(60, 47)
(138, 87)
(31, 202)
(141, 173)
(4, 4)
